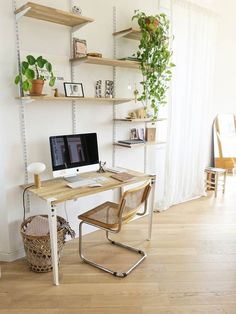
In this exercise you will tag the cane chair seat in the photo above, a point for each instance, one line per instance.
(106, 215)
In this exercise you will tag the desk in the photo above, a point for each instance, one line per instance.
(56, 191)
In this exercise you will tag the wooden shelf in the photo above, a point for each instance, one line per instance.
(44, 13)
(108, 62)
(80, 99)
(139, 120)
(129, 33)
(137, 145)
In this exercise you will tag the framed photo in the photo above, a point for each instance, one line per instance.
(73, 89)
(79, 48)
(137, 134)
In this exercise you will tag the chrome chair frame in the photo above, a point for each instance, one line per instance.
(138, 251)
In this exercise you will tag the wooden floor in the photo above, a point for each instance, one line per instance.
(190, 268)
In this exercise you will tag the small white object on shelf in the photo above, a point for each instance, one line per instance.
(76, 10)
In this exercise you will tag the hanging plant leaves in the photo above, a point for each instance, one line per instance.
(154, 54)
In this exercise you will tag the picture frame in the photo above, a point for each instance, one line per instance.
(150, 134)
(137, 134)
(73, 89)
(79, 48)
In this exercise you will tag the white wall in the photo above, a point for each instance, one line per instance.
(48, 118)
(224, 91)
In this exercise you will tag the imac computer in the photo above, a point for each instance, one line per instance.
(70, 152)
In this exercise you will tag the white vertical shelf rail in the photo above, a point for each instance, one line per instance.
(114, 92)
(22, 103)
(21, 108)
(72, 70)
(145, 154)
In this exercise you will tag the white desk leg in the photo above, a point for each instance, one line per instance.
(52, 218)
(151, 207)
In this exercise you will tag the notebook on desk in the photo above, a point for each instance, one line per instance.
(123, 176)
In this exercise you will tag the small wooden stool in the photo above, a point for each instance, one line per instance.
(215, 178)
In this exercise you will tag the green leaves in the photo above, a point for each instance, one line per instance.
(41, 62)
(26, 85)
(155, 54)
(49, 67)
(17, 79)
(31, 69)
(52, 81)
(29, 74)
(31, 60)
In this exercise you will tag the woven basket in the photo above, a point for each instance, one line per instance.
(38, 248)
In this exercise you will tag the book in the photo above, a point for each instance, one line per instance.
(122, 176)
(130, 142)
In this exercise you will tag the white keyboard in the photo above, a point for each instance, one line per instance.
(86, 182)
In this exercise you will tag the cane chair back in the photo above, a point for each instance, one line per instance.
(132, 200)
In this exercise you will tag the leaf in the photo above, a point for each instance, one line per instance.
(24, 65)
(29, 73)
(49, 67)
(40, 62)
(26, 85)
(52, 81)
(17, 79)
(31, 60)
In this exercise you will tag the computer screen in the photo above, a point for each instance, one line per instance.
(69, 152)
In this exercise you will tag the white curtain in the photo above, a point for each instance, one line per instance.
(194, 30)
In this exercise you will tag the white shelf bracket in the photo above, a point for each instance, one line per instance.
(75, 28)
(27, 100)
(122, 35)
(22, 13)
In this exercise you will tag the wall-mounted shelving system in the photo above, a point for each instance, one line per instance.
(48, 14)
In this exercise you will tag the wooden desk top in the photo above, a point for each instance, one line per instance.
(58, 190)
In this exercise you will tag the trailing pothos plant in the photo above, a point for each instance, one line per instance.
(154, 54)
(34, 69)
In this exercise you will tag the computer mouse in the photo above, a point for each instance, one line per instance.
(95, 185)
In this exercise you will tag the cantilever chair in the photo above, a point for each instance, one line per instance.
(111, 216)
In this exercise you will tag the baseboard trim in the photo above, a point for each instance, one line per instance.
(12, 256)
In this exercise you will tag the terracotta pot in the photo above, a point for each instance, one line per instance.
(37, 87)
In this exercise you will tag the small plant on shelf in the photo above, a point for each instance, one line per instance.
(33, 73)
(154, 54)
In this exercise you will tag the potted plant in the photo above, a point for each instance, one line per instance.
(33, 73)
(154, 54)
